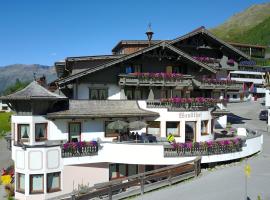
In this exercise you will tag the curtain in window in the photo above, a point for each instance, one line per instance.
(53, 181)
(37, 182)
(74, 131)
(137, 94)
(102, 94)
(93, 94)
(21, 182)
(113, 172)
(40, 130)
(24, 131)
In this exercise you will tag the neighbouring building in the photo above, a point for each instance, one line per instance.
(179, 87)
(4, 107)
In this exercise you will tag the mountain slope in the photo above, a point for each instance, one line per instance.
(239, 25)
(260, 34)
(9, 74)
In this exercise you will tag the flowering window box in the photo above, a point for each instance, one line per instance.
(204, 148)
(74, 149)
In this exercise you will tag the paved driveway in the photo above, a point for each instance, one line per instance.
(227, 182)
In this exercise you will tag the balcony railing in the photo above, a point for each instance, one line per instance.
(219, 84)
(155, 79)
(204, 148)
(178, 104)
(78, 149)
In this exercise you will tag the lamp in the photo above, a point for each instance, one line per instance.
(149, 34)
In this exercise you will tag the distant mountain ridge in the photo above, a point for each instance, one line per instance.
(250, 26)
(23, 72)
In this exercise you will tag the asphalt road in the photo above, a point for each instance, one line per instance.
(227, 182)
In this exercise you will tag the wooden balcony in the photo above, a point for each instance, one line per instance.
(182, 106)
(218, 85)
(133, 80)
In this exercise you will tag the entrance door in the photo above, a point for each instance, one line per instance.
(190, 129)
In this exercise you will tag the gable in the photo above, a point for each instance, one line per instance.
(201, 37)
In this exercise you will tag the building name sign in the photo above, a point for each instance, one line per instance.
(190, 115)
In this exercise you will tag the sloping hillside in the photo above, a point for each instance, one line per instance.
(260, 34)
(239, 27)
(9, 74)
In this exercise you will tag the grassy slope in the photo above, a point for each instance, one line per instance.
(4, 122)
(260, 34)
(238, 27)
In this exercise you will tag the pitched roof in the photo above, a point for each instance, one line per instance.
(101, 109)
(97, 57)
(132, 55)
(131, 42)
(203, 30)
(33, 91)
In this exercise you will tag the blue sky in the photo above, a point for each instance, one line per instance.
(44, 31)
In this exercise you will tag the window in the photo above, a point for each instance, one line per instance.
(54, 182)
(204, 127)
(176, 69)
(23, 132)
(169, 69)
(137, 68)
(153, 128)
(122, 170)
(20, 186)
(137, 94)
(98, 93)
(4, 108)
(109, 132)
(234, 96)
(74, 131)
(129, 94)
(36, 183)
(41, 131)
(173, 128)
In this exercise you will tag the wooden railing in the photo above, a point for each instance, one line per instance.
(138, 184)
(132, 80)
(178, 106)
(230, 86)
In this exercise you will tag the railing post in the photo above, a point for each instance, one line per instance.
(170, 177)
(142, 184)
(110, 193)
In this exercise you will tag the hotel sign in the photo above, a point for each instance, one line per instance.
(190, 115)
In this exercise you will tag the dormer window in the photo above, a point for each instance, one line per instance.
(23, 132)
